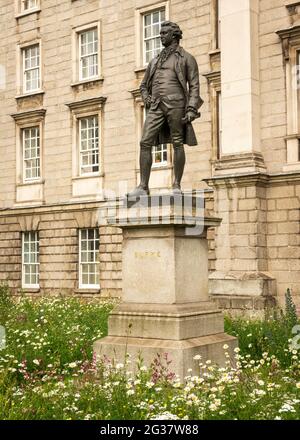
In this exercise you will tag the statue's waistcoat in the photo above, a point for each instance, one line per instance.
(165, 83)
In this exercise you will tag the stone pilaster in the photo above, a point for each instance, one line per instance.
(240, 88)
(241, 279)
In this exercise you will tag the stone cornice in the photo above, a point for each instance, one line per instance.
(287, 177)
(289, 32)
(56, 207)
(289, 36)
(38, 114)
(73, 205)
(87, 104)
(253, 179)
(254, 161)
(136, 93)
(213, 77)
(238, 180)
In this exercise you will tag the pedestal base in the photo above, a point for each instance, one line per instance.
(166, 306)
(180, 330)
(180, 353)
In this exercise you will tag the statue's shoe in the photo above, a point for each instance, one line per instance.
(176, 189)
(139, 191)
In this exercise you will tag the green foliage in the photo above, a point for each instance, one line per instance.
(52, 331)
(6, 303)
(48, 371)
(273, 334)
(290, 310)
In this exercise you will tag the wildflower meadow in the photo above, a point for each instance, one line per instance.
(48, 370)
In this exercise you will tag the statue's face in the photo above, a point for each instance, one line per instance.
(166, 36)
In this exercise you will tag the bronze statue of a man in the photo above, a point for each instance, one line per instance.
(170, 91)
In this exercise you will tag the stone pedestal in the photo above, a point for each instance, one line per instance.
(165, 306)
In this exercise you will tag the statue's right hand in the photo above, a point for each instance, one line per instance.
(148, 101)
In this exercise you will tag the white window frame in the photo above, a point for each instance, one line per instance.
(85, 109)
(96, 262)
(30, 8)
(291, 52)
(80, 151)
(28, 119)
(76, 52)
(139, 29)
(219, 123)
(77, 163)
(156, 150)
(20, 76)
(20, 10)
(81, 57)
(25, 90)
(23, 130)
(145, 39)
(37, 263)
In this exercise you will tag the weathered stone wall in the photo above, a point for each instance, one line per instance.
(54, 25)
(59, 250)
(283, 236)
(258, 239)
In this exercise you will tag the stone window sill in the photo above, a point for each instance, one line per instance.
(29, 12)
(159, 168)
(89, 82)
(30, 290)
(89, 291)
(214, 52)
(89, 176)
(140, 71)
(33, 182)
(28, 95)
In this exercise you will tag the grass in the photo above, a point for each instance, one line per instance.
(48, 370)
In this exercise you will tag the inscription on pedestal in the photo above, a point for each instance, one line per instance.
(147, 254)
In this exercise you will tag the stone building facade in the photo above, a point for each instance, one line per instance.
(70, 121)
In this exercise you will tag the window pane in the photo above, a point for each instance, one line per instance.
(147, 19)
(89, 144)
(30, 257)
(28, 4)
(31, 153)
(152, 24)
(85, 279)
(89, 259)
(89, 54)
(155, 17)
(147, 32)
(31, 58)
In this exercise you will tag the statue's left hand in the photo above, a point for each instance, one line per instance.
(189, 116)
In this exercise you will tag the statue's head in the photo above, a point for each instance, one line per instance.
(169, 32)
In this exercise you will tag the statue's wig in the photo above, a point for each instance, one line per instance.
(177, 32)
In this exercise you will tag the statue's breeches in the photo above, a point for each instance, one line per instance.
(155, 120)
